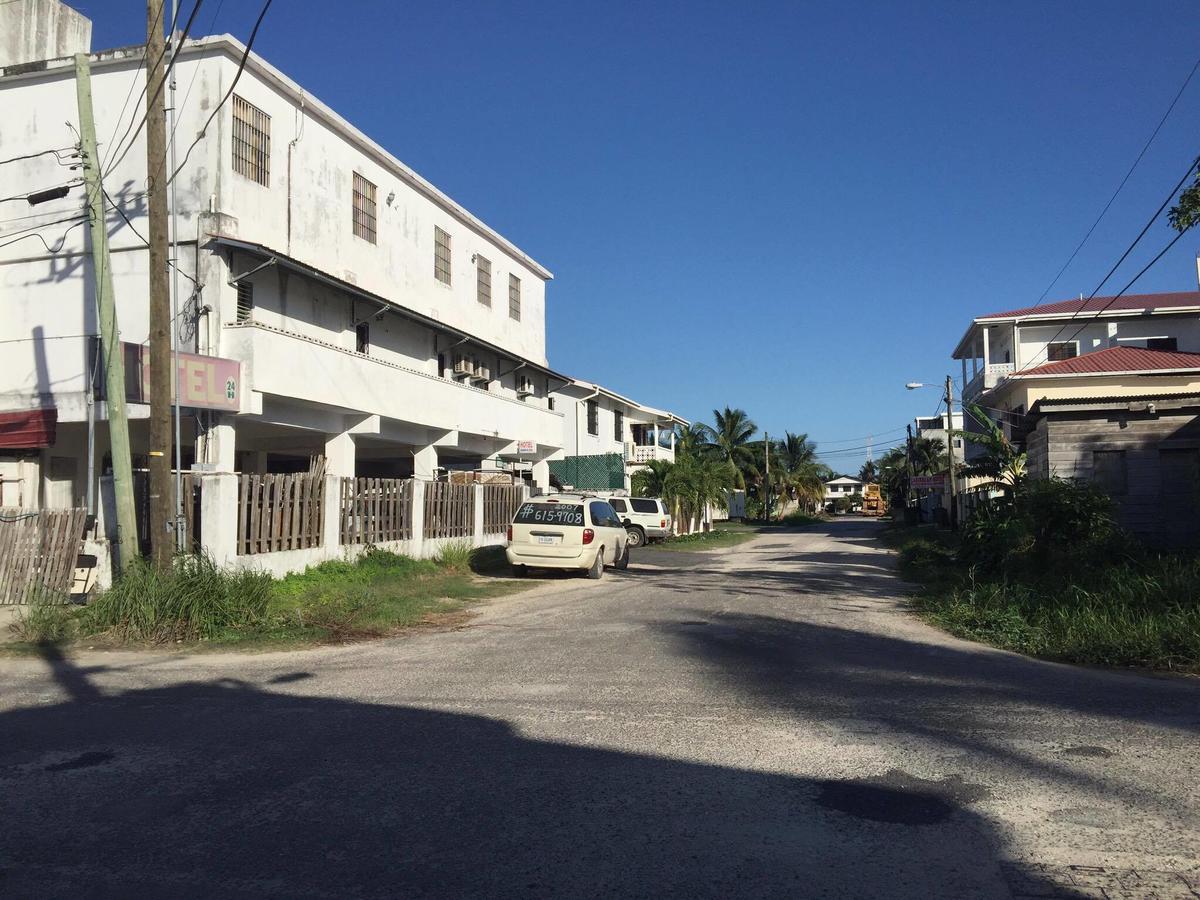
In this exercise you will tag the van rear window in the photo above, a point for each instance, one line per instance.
(644, 506)
(549, 514)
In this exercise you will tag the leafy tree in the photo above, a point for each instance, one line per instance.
(729, 439)
(1001, 460)
(651, 480)
(928, 456)
(692, 440)
(693, 484)
(1186, 213)
(869, 473)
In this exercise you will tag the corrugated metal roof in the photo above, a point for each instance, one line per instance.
(1118, 359)
(1128, 303)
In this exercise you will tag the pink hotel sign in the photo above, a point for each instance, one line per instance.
(205, 382)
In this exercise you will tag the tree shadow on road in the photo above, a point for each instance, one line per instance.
(229, 788)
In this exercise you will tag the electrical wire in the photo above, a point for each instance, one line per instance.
(1120, 186)
(29, 194)
(1116, 265)
(142, 237)
(112, 141)
(195, 69)
(36, 155)
(241, 65)
(51, 250)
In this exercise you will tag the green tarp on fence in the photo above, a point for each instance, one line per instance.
(603, 472)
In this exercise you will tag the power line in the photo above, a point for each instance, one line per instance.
(36, 155)
(54, 187)
(174, 55)
(1116, 265)
(61, 241)
(133, 228)
(863, 437)
(112, 142)
(241, 65)
(1120, 186)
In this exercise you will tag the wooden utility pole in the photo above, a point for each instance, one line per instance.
(767, 479)
(950, 448)
(106, 312)
(162, 505)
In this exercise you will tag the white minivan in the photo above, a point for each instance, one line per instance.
(567, 531)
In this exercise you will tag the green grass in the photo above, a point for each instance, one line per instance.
(378, 594)
(1131, 613)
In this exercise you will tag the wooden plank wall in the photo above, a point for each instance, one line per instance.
(1160, 508)
(38, 551)
(374, 510)
(500, 502)
(280, 512)
(449, 510)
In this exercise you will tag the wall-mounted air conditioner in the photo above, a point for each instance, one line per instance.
(481, 372)
(524, 386)
(463, 364)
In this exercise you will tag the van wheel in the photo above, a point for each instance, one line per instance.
(623, 559)
(596, 572)
(637, 537)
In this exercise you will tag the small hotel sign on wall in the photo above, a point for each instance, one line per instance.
(205, 382)
(922, 482)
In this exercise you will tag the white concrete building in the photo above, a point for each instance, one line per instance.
(375, 321)
(608, 437)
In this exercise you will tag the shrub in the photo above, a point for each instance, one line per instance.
(195, 599)
(46, 622)
(454, 555)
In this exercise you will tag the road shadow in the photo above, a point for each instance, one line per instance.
(232, 789)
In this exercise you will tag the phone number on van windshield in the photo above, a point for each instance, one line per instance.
(552, 515)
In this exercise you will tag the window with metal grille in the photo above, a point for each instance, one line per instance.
(245, 301)
(1062, 350)
(514, 297)
(364, 208)
(251, 142)
(618, 426)
(483, 280)
(441, 255)
(593, 417)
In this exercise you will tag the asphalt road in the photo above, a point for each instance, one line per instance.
(766, 721)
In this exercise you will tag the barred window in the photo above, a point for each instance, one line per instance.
(251, 142)
(593, 417)
(618, 426)
(1056, 352)
(364, 208)
(514, 297)
(245, 301)
(441, 255)
(483, 279)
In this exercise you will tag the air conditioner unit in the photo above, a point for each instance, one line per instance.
(524, 386)
(481, 372)
(463, 364)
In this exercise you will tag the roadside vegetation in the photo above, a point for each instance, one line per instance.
(1045, 571)
(378, 594)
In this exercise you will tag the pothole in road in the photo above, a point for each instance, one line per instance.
(899, 798)
(1088, 750)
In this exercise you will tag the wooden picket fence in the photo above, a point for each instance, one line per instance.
(374, 510)
(280, 512)
(38, 552)
(449, 510)
(500, 502)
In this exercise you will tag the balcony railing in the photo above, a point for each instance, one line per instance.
(986, 379)
(643, 453)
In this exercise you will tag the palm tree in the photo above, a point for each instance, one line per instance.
(928, 456)
(1001, 460)
(651, 480)
(730, 439)
(869, 473)
(693, 485)
(692, 440)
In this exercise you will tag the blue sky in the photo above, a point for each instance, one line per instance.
(791, 208)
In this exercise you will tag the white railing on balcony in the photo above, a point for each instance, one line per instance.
(986, 379)
(637, 453)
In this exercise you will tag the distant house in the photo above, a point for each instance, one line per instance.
(843, 486)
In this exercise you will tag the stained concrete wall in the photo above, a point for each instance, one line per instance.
(35, 30)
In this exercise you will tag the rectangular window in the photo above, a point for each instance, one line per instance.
(618, 426)
(251, 142)
(441, 255)
(593, 417)
(362, 337)
(483, 280)
(514, 297)
(245, 301)
(1168, 344)
(550, 404)
(364, 208)
(1062, 350)
(1108, 470)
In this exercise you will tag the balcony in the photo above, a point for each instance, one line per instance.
(986, 379)
(294, 366)
(640, 454)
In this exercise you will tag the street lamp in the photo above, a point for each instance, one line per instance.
(912, 386)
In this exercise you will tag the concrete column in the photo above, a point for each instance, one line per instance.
(987, 356)
(1016, 342)
(541, 475)
(477, 533)
(418, 516)
(425, 460)
(218, 516)
(654, 439)
(1112, 335)
(339, 454)
(964, 368)
(331, 526)
(220, 444)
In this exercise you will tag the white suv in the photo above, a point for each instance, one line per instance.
(645, 518)
(567, 531)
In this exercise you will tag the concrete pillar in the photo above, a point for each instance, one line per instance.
(1112, 335)
(218, 516)
(418, 516)
(331, 525)
(339, 454)
(1016, 343)
(220, 441)
(654, 439)
(964, 368)
(425, 460)
(541, 475)
(477, 532)
(987, 356)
